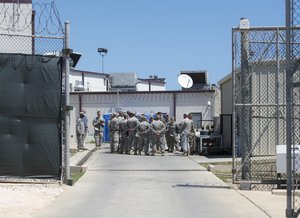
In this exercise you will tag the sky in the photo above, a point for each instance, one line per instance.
(162, 37)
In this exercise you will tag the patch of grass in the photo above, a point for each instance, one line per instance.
(221, 169)
(73, 151)
(76, 176)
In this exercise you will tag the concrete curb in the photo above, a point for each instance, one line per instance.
(78, 161)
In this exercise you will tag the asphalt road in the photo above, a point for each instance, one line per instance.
(145, 186)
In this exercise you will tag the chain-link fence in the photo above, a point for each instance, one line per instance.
(259, 104)
(27, 28)
(293, 107)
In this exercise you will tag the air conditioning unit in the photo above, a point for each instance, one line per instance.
(78, 86)
(281, 158)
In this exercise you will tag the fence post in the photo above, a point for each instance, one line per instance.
(277, 87)
(245, 119)
(67, 103)
(289, 209)
(233, 120)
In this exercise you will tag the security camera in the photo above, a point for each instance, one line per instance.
(208, 103)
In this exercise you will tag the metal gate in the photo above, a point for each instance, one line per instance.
(293, 106)
(31, 36)
(258, 104)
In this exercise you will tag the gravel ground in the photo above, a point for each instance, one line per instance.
(22, 200)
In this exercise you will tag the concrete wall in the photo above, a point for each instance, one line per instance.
(174, 103)
(267, 123)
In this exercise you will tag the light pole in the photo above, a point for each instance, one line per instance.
(102, 52)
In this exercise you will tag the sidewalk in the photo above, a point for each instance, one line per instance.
(273, 205)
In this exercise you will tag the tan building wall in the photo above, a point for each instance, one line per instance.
(172, 102)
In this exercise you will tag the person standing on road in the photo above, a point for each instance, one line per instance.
(123, 133)
(114, 132)
(86, 125)
(143, 130)
(80, 131)
(185, 130)
(158, 129)
(167, 133)
(98, 124)
(192, 139)
(151, 137)
(132, 123)
(173, 140)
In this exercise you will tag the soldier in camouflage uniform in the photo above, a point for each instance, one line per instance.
(151, 140)
(123, 133)
(114, 132)
(185, 130)
(158, 129)
(192, 137)
(143, 130)
(98, 124)
(132, 123)
(167, 133)
(80, 132)
(173, 140)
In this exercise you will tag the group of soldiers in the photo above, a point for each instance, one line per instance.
(131, 134)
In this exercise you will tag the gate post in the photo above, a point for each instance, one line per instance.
(245, 98)
(66, 55)
(289, 209)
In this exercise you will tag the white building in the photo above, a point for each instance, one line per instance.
(17, 22)
(100, 82)
(88, 81)
(153, 83)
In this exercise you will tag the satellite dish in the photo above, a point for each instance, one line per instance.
(185, 81)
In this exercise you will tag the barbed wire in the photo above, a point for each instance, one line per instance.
(26, 18)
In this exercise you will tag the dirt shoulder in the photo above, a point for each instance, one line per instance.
(22, 200)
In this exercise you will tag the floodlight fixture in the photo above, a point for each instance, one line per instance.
(102, 52)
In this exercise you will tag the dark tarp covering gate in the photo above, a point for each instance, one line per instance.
(30, 102)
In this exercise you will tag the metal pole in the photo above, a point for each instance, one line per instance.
(118, 100)
(289, 209)
(102, 63)
(233, 121)
(277, 86)
(245, 119)
(67, 103)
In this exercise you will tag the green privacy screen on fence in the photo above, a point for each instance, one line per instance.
(30, 111)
